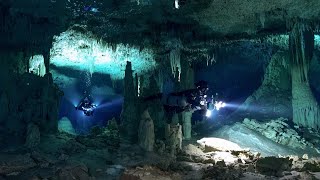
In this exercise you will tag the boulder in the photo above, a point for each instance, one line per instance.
(64, 125)
(278, 131)
(272, 166)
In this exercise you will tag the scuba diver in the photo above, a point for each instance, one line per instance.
(189, 100)
(86, 105)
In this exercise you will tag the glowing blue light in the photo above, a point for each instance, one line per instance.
(219, 105)
(208, 113)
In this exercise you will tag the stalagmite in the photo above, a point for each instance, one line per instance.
(146, 132)
(186, 82)
(186, 122)
(174, 57)
(174, 138)
(305, 107)
(129, 109)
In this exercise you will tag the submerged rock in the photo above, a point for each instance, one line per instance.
(279, 131)
(64, 125)
(273, 166)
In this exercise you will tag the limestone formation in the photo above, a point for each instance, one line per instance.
(155, 107)
(186, 123)
(129, 110)
(186, 82)
(279, 131)
(146, 132)
(305, 107)
(174, 139)
(64, 125)
(27, 98)
(272, 99)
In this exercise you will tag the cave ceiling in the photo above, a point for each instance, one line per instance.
(195, 20)
(153, 23)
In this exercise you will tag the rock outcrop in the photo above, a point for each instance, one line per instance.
(306, 110)
(26, 99)
(64, 125)
(279, 131)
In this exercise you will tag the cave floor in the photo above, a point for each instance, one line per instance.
(64, 156)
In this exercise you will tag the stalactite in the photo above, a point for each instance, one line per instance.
(136, 90)
(305, 108)
(174, 56)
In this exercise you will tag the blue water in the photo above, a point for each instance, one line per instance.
(108, 108)
(108, 100)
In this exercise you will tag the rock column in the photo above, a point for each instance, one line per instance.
(187, 127)
(305, 107)
(129, 109)
(174, 138)
(146, 132)
(186, 82)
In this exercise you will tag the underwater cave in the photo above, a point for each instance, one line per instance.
(159, 89)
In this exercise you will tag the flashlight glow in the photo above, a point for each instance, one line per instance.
(208, 113)
(219, 105)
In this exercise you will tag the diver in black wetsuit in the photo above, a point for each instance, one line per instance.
(86, 105)
(189, 100)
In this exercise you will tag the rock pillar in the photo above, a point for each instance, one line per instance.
(146, 132)
(305, 107)
(186, 122)
(129, 109)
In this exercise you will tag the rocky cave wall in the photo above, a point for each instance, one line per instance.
(29, 102)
